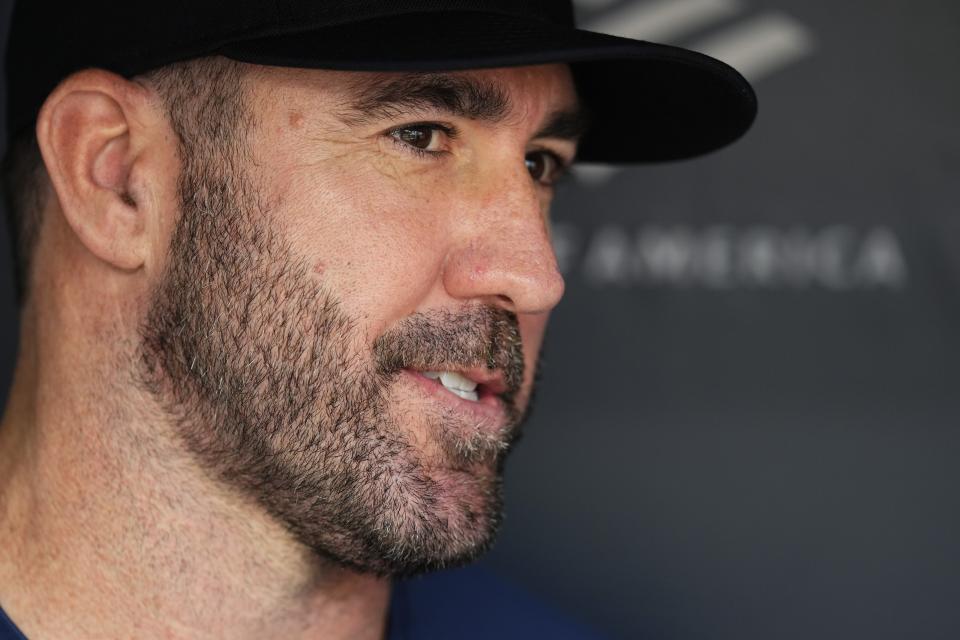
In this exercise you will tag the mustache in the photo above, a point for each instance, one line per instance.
(442, 340)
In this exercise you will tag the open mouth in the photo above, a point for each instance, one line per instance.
(478, 386)
(455, 384)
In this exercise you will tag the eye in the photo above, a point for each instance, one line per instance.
(422, 139)
(546, 167)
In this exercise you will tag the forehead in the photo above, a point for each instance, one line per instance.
(553, 82)
(500, 93)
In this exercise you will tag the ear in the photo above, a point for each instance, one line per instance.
(87, 131)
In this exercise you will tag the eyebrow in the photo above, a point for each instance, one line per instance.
(567, 125)
(374, 99)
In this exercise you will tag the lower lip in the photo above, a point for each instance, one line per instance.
(488, 406)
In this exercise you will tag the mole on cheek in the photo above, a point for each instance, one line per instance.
(296, 119)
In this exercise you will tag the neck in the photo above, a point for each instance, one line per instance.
(111, 530)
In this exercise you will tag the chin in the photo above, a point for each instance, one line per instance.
(451, 523)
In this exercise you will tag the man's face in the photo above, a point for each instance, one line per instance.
(374, 230)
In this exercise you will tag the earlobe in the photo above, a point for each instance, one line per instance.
(84, 133)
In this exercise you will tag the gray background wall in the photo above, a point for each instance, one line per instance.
(748, 424)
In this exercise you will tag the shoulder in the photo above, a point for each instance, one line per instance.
(8, 630)
(470, 604)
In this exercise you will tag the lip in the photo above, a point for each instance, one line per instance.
(488, 408)
(491, 380)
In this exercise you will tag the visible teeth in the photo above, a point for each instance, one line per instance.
(455, 381)
(463, 387)
(466, 395)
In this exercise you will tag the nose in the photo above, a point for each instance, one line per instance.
(503, 254)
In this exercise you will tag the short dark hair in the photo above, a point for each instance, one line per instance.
(204, 100)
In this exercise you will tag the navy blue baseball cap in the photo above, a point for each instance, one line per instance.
(648, 102)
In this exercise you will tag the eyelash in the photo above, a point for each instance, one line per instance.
(448, 130)
(563, 173)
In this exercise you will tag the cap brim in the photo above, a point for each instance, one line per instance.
(648, 102)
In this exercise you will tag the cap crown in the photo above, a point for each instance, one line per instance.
(50, 39)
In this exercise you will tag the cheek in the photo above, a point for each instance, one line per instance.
(375, 245)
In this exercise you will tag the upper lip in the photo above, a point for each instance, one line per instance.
(492, 379)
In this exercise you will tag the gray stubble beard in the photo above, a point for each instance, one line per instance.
(251, 358)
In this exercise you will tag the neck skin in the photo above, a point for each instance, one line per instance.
(110, 530)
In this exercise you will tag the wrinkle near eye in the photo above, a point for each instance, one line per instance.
(405, 170)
